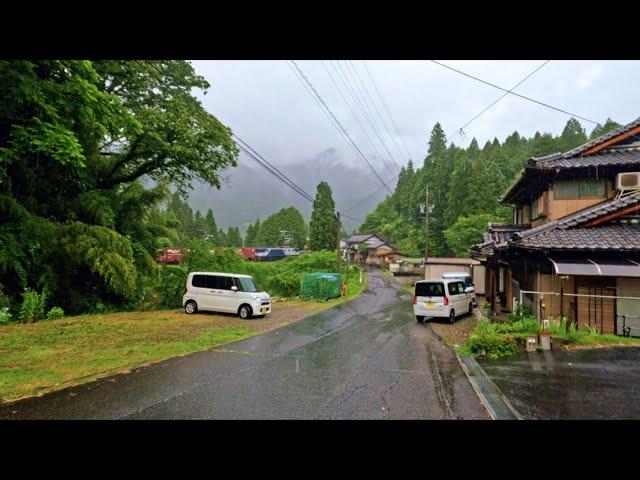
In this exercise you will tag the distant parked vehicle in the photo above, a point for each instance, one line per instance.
(468, 283)
(224, 292)
(445, 298)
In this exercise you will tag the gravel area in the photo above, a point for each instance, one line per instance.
(456, 334)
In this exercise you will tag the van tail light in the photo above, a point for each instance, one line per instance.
(415, 299)
(446, 301)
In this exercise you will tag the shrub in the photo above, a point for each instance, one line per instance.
(55, 312)
(521, 311)
(5, 316)
(32, 308)
(486, 340)
(522, 326)
(562, 328)
(173, 279)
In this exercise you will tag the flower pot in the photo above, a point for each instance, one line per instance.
(545, 340)
(557, 344)
(531, 343)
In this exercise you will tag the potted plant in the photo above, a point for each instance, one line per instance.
(486, 308)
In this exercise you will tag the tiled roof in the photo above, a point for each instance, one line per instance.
(603, 138)
(563, 234)
(582, 216)
(497, 234)
(628, 156)
(604, 237)
(359, 237)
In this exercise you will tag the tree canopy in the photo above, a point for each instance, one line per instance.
(87, 151)
(464, 185)
(322, 228)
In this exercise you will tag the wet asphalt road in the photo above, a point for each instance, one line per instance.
(365, 359)
(595, 384)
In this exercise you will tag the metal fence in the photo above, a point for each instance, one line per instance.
(629, 323)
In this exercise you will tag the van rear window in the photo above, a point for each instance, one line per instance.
(435, 289)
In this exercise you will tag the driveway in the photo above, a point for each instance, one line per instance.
(365, 359)
(578, 384)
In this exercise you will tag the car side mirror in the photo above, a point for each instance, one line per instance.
(234, 288)
(468, 289)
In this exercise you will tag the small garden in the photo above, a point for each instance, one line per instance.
(493, 340)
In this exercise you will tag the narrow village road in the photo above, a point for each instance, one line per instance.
(365, 359)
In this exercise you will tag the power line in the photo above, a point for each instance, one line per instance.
(514, 93)
(371, 117)
(369, 196)
(271, 168)
(344, 132)
(460, 130)
(364, 130)
(375, 107)
(386, 106)
(360, 105)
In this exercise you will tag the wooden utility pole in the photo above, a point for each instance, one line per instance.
(338, 242)
(426, 230)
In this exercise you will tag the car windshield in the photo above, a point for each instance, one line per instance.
(429, 290)
(246, 284)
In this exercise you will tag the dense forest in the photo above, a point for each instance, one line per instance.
(464, 188)
(88, 150)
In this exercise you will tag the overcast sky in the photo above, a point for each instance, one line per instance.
(267, 104)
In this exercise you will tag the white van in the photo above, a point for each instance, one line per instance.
(445, 298)
(224, 292)
(468, 283)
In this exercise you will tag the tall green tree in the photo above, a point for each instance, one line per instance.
(210, 227)
(285, 226)
(234, 239)
(252, 234)
(76, 140)
(323, 233)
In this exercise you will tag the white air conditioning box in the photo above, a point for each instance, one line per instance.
(628, 181)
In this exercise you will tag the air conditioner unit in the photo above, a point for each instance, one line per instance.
(628, 181)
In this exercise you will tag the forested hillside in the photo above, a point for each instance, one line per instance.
(464, 188)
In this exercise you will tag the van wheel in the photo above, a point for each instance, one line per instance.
(452, 316)
(191, 307)
(244, 311)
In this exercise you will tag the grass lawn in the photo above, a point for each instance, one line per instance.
(50, 355)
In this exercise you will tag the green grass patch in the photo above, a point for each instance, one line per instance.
(54, 354)
(498, 339)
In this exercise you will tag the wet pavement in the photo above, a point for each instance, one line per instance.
(365, 359)
(578, 384)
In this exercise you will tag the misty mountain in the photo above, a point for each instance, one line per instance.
(249, 192)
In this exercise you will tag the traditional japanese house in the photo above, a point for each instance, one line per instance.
(573, 248)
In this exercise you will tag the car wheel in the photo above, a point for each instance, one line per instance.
(419, 318)
(244, 311)
(452, 316)
(190, 307)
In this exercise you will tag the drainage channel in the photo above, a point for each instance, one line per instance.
(493, 399)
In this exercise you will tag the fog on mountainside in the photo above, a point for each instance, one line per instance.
(250, 192)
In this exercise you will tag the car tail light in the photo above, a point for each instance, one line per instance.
(446, 301)
(415, 299)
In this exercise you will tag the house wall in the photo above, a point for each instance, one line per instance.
(551, 303)
(628, 287)
(552, 208)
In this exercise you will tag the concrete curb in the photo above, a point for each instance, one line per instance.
(492, 398)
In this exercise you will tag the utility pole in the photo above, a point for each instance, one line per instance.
(338, 242)
(426, 230)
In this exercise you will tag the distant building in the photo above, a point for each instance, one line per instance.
(377, 250)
